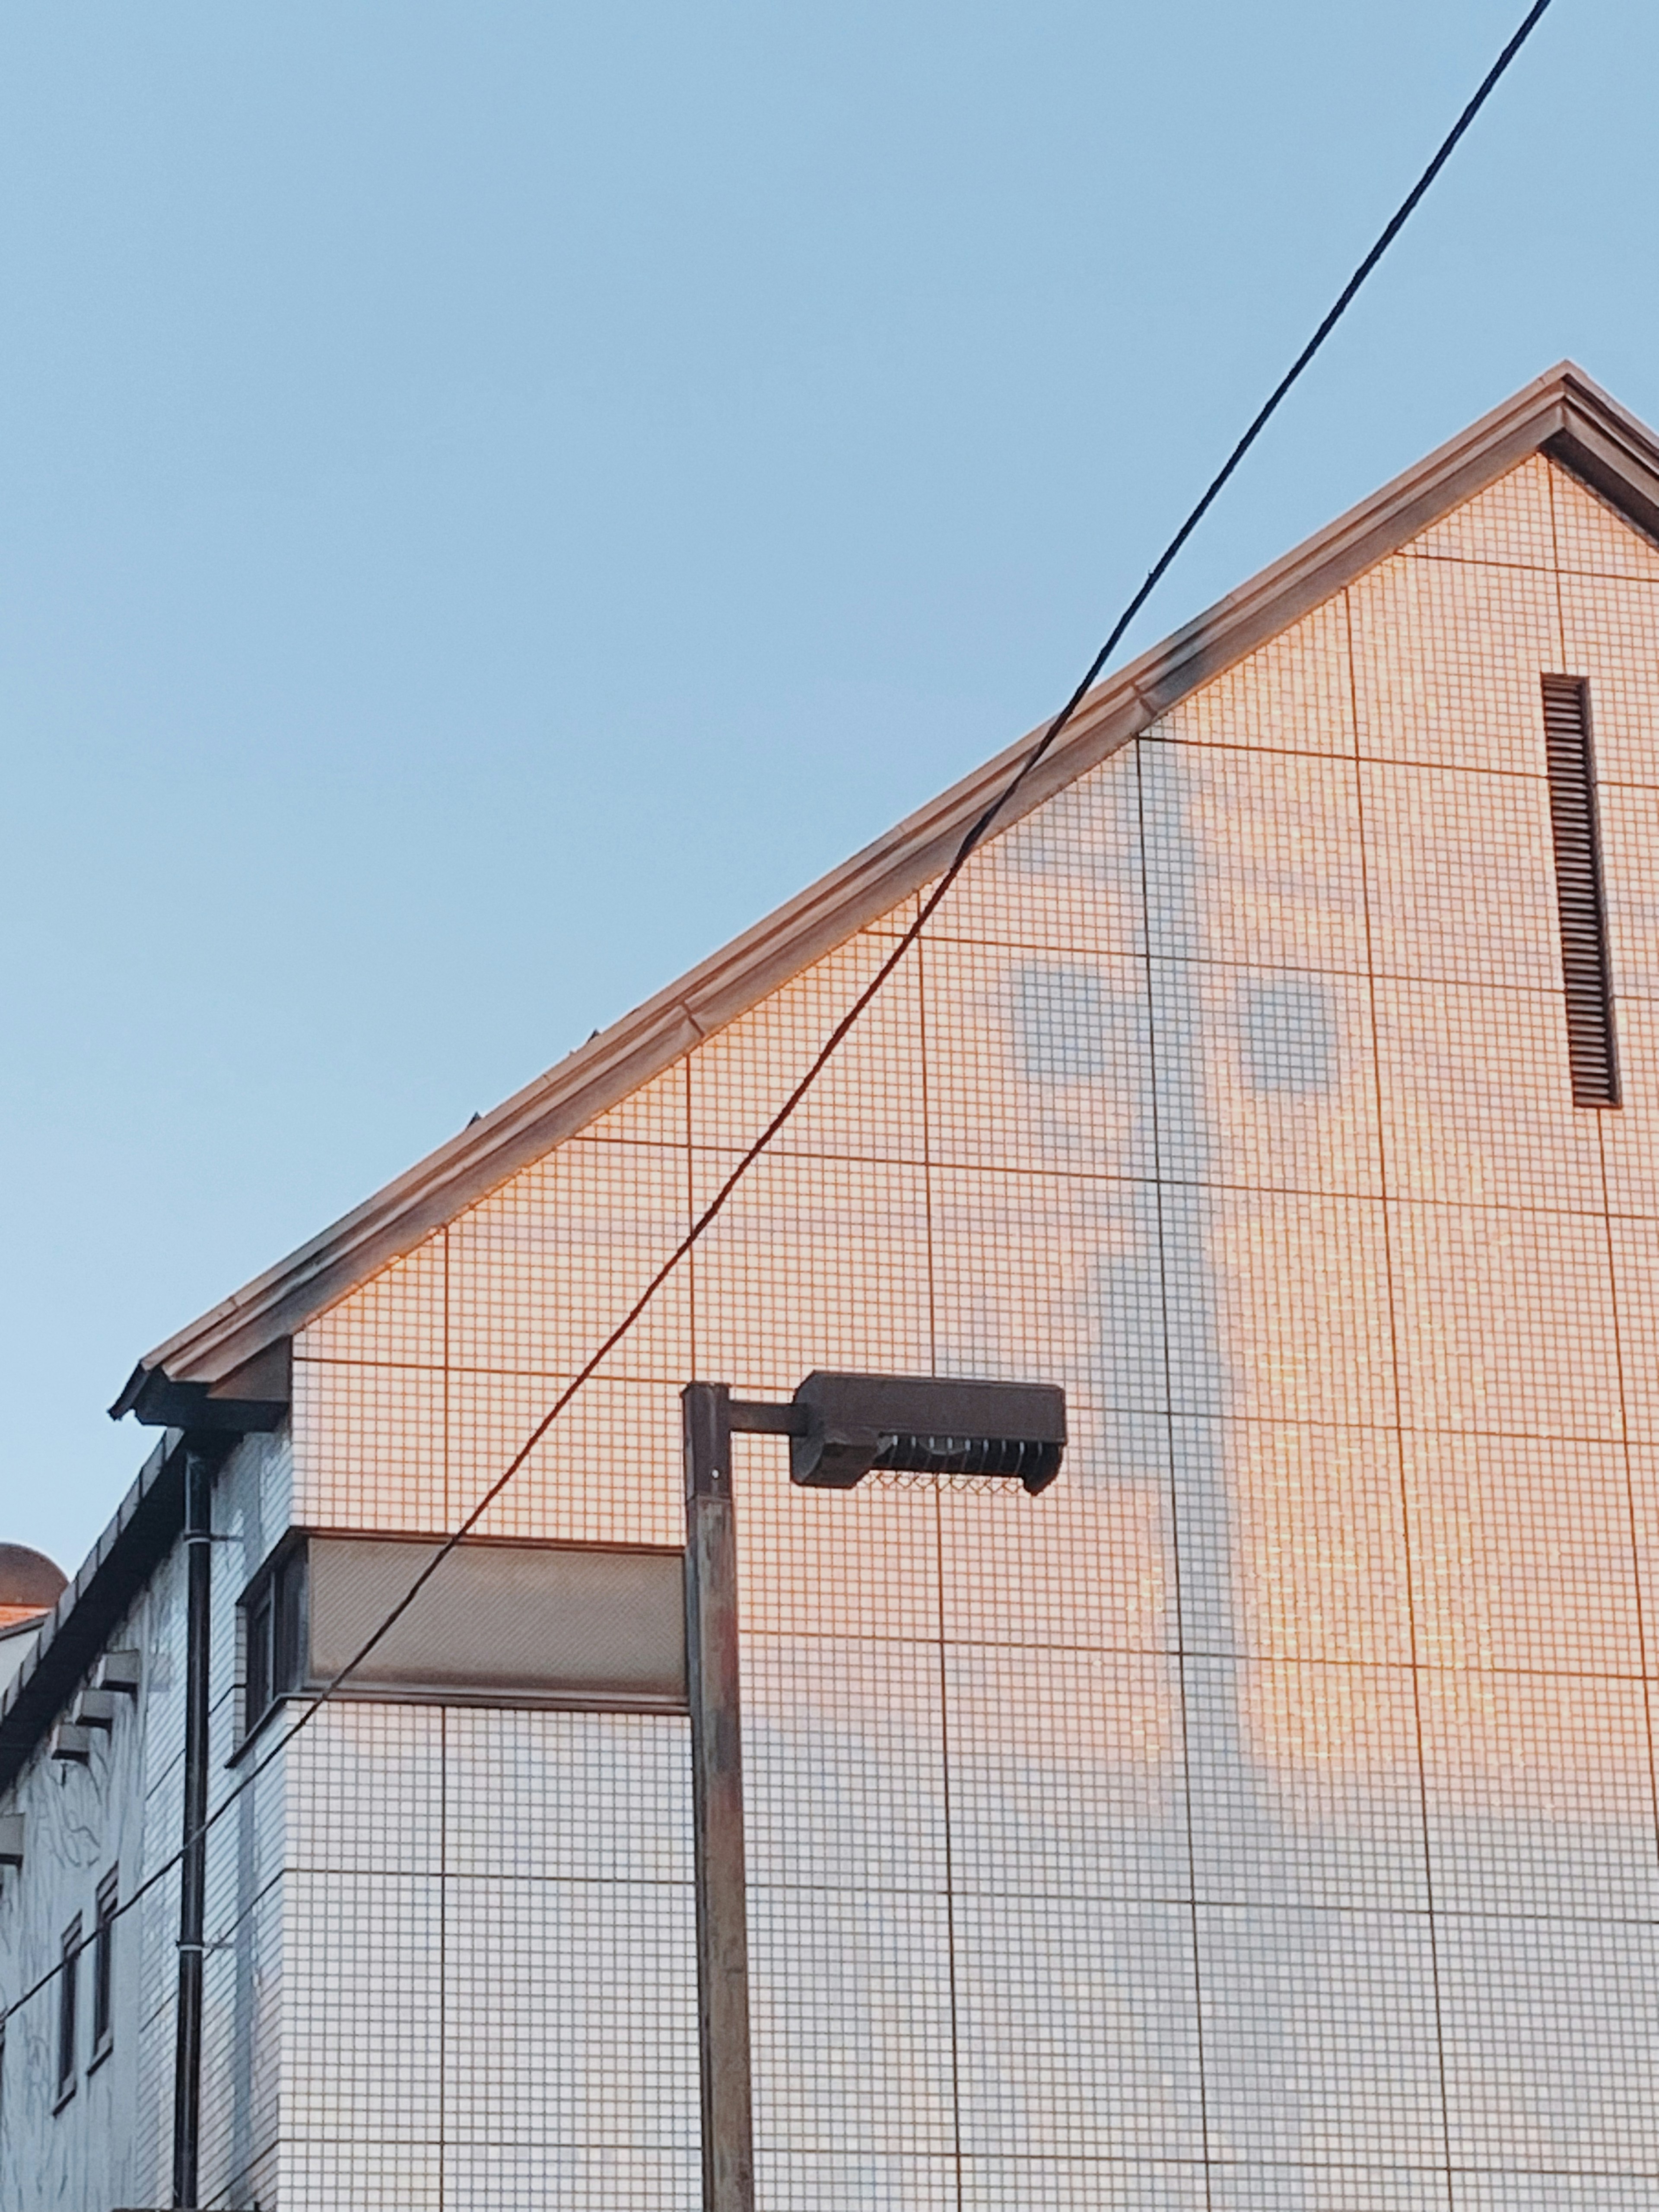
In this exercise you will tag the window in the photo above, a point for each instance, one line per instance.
(67, 1990)
(274, 1611)
(260, 1607)
(103, 1966)
(1580, 901)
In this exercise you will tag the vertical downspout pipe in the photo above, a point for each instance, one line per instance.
(192, 1874)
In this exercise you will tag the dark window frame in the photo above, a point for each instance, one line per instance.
(103, 1968)
(68, 1996)
(274, 1611)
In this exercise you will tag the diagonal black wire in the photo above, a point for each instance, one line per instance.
(980, 830)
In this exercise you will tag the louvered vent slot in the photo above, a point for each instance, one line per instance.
(1578, 892)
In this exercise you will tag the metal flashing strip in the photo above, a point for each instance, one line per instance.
(1562, 413)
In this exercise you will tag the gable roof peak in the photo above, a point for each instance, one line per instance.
(227, 1359)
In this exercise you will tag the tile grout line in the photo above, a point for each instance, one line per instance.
(443, 1947)
(1181, 1654)
(937, 1502)
(1398, 1432)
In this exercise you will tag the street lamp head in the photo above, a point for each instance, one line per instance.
(860, 1425)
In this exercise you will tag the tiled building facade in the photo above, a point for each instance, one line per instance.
(1263, 1818)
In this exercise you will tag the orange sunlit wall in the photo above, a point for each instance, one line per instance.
(1263, 1817)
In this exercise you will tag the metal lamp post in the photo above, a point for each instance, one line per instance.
(841, 1428)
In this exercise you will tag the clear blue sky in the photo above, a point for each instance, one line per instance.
(497, 496)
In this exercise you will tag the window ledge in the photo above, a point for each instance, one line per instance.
(250, 1735)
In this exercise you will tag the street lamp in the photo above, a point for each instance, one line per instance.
(841, 1428)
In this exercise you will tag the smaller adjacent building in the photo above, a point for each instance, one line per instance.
(30, 1585)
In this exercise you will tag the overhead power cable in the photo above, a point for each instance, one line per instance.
(976, 836)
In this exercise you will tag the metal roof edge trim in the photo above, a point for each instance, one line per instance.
(1564, 412)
